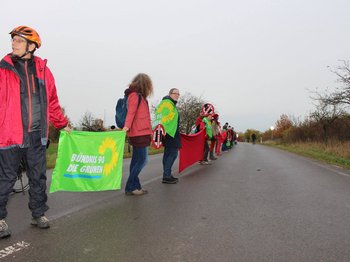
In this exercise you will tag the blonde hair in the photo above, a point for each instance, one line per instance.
(142, 84)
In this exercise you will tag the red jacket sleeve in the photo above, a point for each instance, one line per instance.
(55, 114)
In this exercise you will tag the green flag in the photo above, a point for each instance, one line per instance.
(89, 161)
(208, 129)
(167, 115)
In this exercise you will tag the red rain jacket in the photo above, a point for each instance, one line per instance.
(11, 127)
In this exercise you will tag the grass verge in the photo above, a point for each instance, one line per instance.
(334, 152)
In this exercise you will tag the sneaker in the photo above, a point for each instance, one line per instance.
(170, 180)
(206, 163)
(41, 222)
(213, 158)
(136, 192)
(4, 229)
(145, 191)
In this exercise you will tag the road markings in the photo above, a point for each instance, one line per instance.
(14, 248)
(331, 169)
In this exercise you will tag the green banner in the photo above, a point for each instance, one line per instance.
(167, 115)
(88, 161)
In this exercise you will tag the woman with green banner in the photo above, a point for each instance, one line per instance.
(168, 116)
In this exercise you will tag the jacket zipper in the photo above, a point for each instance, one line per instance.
(33, 84)
(29, 97)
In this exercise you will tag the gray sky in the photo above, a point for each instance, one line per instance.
(253, 60)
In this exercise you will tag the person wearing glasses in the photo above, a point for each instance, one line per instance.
(172, 141)
(28, 103)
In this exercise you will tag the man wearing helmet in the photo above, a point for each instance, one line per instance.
(28, 103)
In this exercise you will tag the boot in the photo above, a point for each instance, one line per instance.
(212, 157)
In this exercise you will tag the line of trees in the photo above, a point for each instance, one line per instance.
(329, 120)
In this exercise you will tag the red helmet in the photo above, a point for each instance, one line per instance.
(28, 33)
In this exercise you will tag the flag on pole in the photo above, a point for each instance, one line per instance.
(167, 115)
(88, 161)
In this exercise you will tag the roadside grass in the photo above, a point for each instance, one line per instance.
(51, 153)
(334, 152)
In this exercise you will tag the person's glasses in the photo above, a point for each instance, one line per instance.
(176, 93)
(18, 40)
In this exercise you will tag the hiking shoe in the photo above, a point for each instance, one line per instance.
(177, 180)
(4, 229)
(41, 222)
(170, 180)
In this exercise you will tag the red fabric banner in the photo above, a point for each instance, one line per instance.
(192, 149)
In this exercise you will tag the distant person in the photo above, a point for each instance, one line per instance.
(225, 135)
(29, 104)
(214, 138)
(220, 139)
(234, 137)
(139, 130)
(253, 138)
(206, 124)
(172, 141)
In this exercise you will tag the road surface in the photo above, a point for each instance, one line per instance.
(254, 203)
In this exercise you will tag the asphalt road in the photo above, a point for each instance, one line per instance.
(254, 203)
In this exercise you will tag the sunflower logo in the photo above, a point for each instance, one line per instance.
(110, 146)
(166, 109)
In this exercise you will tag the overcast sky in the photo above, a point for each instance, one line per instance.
(253, 60)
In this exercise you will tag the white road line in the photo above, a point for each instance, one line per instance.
(331, 169)
(13, 249)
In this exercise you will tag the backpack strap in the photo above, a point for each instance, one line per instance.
(140, 97)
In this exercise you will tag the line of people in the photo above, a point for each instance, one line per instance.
(29, 103)
(217, 139)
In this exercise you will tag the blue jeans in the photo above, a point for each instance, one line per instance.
(138, 161)
(169, 157)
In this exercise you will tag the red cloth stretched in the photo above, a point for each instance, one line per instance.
(192, 149)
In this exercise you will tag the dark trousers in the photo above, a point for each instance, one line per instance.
(138, 161)
(35, 160)
(169, 157)
(206, 150)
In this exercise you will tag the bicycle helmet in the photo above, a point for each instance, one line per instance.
(28, 33)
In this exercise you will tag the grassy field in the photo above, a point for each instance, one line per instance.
(51, 154)
(335, 152)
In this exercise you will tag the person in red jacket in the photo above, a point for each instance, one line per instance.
(139, 130)
(28, 103)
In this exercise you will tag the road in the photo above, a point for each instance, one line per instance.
(254, 203)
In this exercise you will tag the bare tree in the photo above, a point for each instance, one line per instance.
(87, 121)
(325, 115)
(189, 107)
(341, 95)
(98, 125)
